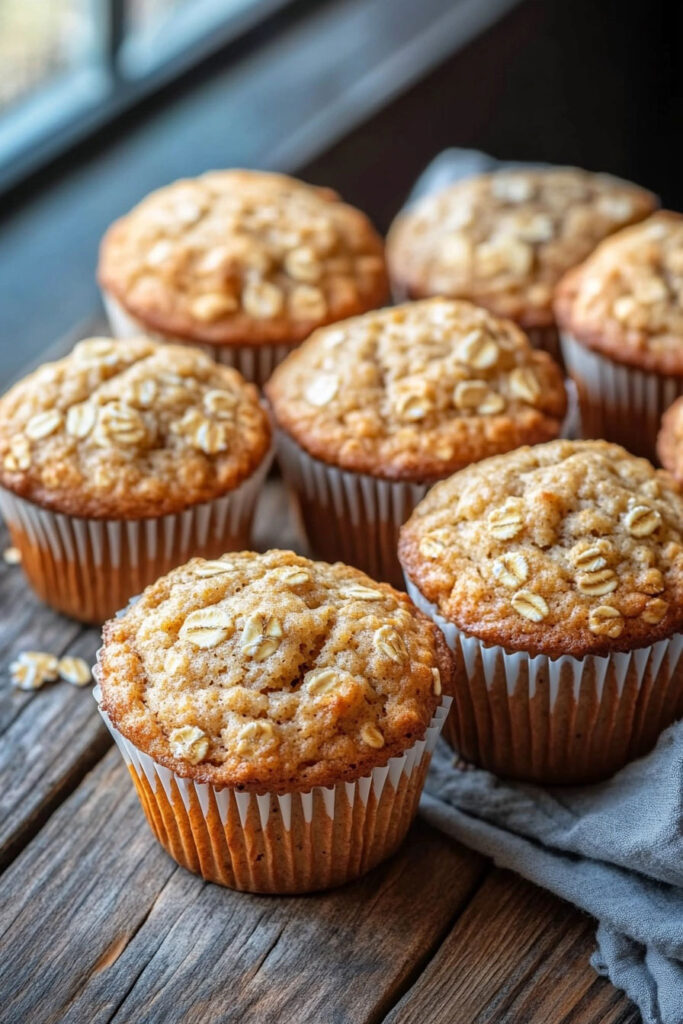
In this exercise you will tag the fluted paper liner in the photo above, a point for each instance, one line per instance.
(255, 362)
(559, 720)
(619, 402)
(281, 843)
(87, 568)
(349, 517)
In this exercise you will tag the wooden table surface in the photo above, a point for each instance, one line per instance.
(98, 924)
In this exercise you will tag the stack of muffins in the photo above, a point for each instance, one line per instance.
(278, 714)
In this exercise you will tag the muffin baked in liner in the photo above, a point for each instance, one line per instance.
(97, 518)
(370, 412)
(504, 239)
(559, 720)
(287, 837)
(286, 842)
(244, 264)
(621, 320)
(611, 675)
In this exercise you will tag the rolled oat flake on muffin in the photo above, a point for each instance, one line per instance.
(125, 441)
(570, 556)
(271, 678)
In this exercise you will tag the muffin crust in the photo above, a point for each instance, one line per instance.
(626, 299)
(414, 392)
(572, 547)
(504, 239)
(272, 671)
(129, 430)
(670, 440)
(243, 256)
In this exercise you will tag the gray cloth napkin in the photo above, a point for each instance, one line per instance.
(615, 849)
(455, 163)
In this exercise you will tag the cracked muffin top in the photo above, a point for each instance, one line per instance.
(504, 239)
(243, 256)
(626, 299)
(571, 547)
(272, 672)
(417, 391)
(129, 430)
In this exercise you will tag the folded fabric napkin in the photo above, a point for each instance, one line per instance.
(614, 849)
(455, 163)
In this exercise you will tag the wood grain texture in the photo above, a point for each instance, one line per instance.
(48, 738)
(102, 926)
(517, 955)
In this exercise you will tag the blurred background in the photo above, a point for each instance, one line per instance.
(103, 100)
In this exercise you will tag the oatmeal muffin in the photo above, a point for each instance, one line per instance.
(558, 572)
(504, 239)
(621, 316)
(289, 708)
(122, 460)
(244, 263)
(371, 411)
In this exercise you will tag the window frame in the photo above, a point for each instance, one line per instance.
(77, 104)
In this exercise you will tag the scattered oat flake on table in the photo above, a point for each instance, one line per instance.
(12, 556)
(33, 668)
(75, 671)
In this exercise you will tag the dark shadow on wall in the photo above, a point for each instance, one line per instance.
(580, 82)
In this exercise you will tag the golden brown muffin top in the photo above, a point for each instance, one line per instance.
(129, 430)
(272, 672)
(417, 391)
(572, 547)
(670, 440)
(243, 256)
(626, 299)
(504, 239)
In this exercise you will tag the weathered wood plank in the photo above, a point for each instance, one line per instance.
(132, 938)
(56, 737)
(516, 954)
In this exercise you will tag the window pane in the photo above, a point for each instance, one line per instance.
(159, 29)
(41, 41)
(151, 14)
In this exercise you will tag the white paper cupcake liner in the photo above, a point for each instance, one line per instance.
(290, 842)
(560, 719)
(349, 517)
(88, 568)
(255, 362)
(619, 403)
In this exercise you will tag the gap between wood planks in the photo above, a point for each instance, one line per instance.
(385, 1013)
